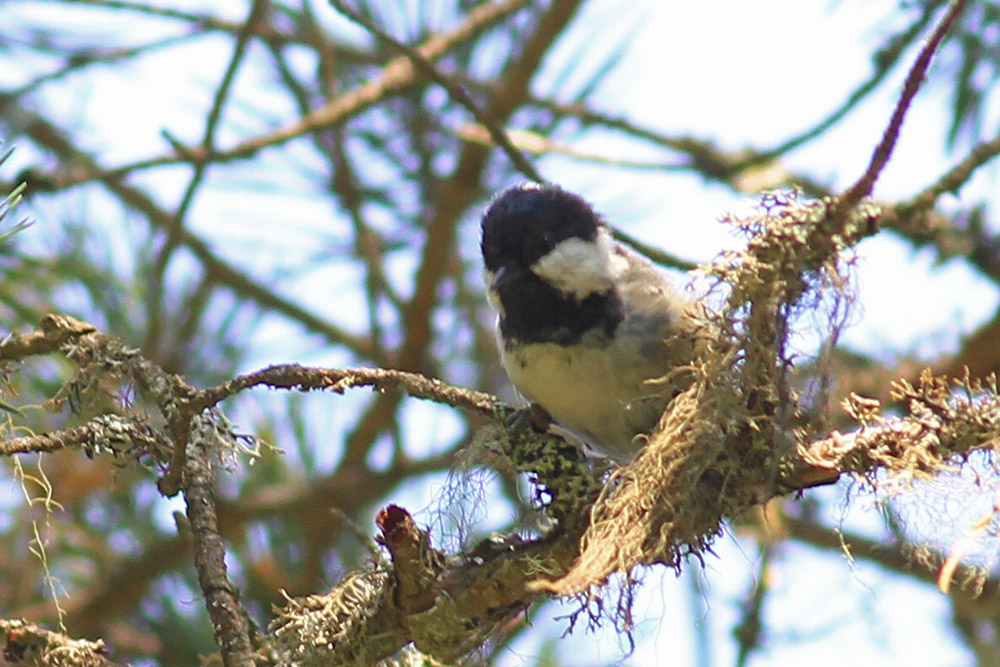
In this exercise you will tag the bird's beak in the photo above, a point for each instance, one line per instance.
(502, 275)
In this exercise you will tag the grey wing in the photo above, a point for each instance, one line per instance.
(665, 336)
(658, 311)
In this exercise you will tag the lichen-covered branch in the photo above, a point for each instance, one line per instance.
(446, 605)
(338, 380)
(191, 420)
(28, 644)
(109, 433)
(946, 420)
(222, 598)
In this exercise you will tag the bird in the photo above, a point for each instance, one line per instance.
(587, 328)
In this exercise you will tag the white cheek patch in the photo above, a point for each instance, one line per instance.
(580, 267)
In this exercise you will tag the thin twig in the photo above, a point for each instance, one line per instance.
(863, 187)
(294, 376)
(884, 63)
(395, 76)
(368, 243)
(956, 177)
(455, 90)
(701, 156)
(657, 255)
(172, 241)
(87, 58)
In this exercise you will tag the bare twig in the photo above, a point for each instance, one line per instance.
(661, 257)
(961, 233)
(454, 88)
(955, 178)
(173, 232)
(294, 376)
(396, 75)
(863, 187)
(698, 155)
(81, 60)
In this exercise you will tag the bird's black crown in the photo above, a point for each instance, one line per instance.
(525, 222)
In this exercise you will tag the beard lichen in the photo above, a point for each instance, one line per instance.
(722, 445)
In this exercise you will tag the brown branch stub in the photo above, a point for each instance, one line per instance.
(26, 643)
(446, 606)
(798, 474)
(360, 622)
(416, 566)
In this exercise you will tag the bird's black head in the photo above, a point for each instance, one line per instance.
(548, 263)
(525, 222)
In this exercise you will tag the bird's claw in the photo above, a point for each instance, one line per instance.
(534, 416)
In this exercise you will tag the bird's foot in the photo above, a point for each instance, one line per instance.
(534, 416)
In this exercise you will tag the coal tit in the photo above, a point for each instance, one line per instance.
(587, 328)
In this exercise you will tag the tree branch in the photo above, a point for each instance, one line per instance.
(27, 642)
(454, 88)
(294, 376)
(104, 433)
(222, 598)
(914, 79)
(397, 74)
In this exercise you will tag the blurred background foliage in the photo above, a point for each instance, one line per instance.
(229, 185)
